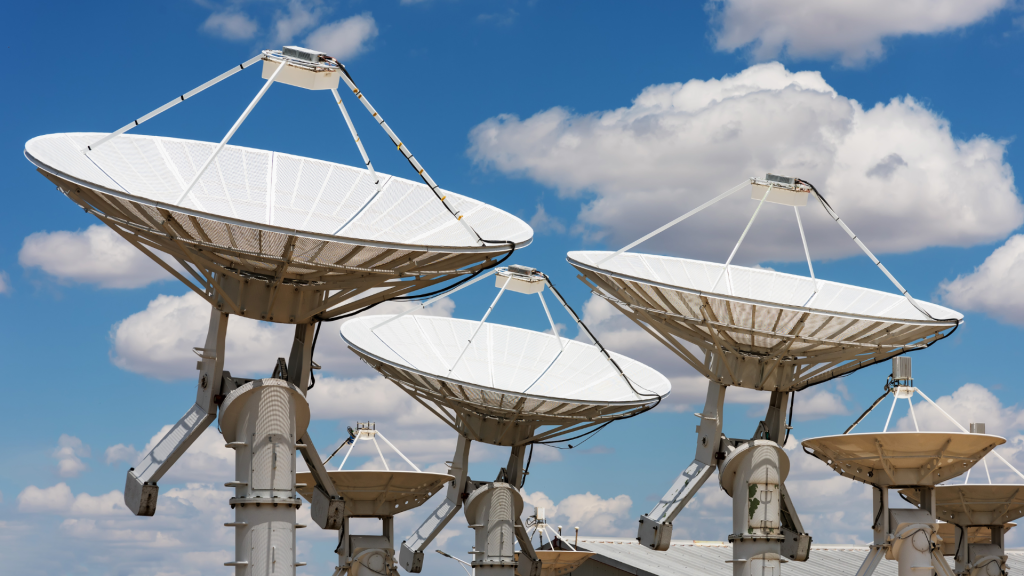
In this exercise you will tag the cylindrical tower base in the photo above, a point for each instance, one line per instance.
(261, 420)
(492, 511)
(752, 475)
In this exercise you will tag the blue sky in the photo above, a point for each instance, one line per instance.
(594, 121)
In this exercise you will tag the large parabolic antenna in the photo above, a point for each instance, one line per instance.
(280, 238)
(762, 330)
(503, 386)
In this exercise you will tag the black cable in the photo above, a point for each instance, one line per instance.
(599, 345)
(835, 215)
(512, 248)
(591, 433)
(789, 425)
(888, 389)
(526, 469)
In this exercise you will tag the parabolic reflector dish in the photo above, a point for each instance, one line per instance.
(897, 459)
(378, 492)
(975, 504)
(507, 374)
(281, 220)
(816, 330)
(975, 535)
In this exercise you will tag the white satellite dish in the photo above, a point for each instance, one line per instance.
(274, 237)
(762, 330)
(503, 386)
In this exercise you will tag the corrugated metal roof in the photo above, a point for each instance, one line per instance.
(697, 557)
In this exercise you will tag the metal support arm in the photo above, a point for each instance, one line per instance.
(411, 555)
(655, 530)
(140, 489)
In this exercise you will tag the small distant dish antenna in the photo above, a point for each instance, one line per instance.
(502, 386)
(368, 493)
(762, 330)
(560, 557)
(273, 237)
(916, 463)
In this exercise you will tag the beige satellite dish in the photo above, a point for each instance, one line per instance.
(896, 459)
(974, 504)
(378, 492)
(558, 562)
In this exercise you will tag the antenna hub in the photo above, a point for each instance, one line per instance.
(901, 369)
(305, 68)
(521, 279)
(780, 189)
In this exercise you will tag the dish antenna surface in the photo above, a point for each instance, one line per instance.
(916, 463)
(279, 238)
(368, 493)
(762, 330)
(503, 386)
(976, 518)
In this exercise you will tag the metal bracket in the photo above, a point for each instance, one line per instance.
(411, 554)
(655, 530)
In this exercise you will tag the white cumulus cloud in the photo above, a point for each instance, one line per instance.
(545, 223)
(69, 453)
(995, 288)
(821, 401)
(894, 171)
(297, 17)
(345, 38)
(158, 341)
(55, 499)
(594, 515)
(230, 25)
(96, 255)
(852, 31)
(121, 453)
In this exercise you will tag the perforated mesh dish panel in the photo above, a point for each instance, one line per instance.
(273, 190)
(762, 313)
(506, 371)
(276, 219)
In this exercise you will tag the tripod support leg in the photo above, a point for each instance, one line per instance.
(411, 555)
(655, 530)
(875, 555)
(140, 489)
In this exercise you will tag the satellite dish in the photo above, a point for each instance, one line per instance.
(503, 386)
(269, 235)
(976, 519)
(823, 329)
(974, 504)
(762, 330)
(916, 462)
(368, 493)
(273, 237)
(529, 379)
(896, 459)
(559, 557)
